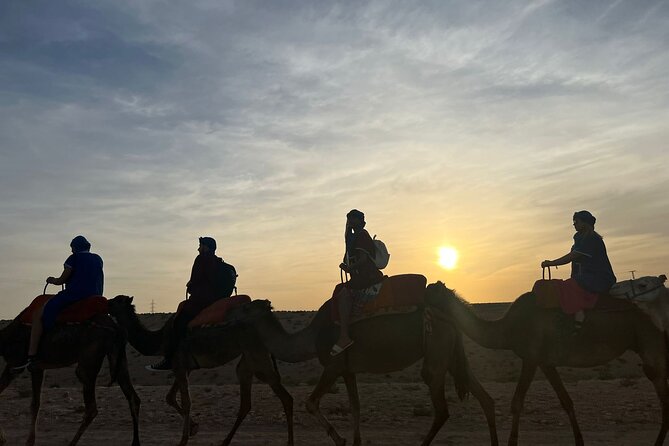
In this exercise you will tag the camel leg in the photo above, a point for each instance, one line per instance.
(171, 400)
(354, 402)
(87, 372)
(37, 378)
(286, 399)
(181, 380)
(6, 378)
(435, 381)
(328, 377)
(134, 402)
(245, 378)
(566, 402)
(488, 406)
(526, 376)
(659, 381)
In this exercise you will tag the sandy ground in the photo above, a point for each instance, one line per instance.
(615, 405)
(613, 412)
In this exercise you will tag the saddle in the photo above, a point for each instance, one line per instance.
(399, 294)
(215, 313)
(75, 313)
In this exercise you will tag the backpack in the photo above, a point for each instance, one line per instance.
(226, 279)
(381, 254)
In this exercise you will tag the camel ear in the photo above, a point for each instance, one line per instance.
(130, 298)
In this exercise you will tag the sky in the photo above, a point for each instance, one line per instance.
(480, 125)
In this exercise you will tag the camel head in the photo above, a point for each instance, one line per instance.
(252, 311)
(643, 289)
(121, 306)
(438, 293)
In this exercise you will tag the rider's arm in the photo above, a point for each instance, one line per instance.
(67, 272)
(567, 258)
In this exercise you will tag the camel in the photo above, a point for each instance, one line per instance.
(85, 344)
(206, 347)
(382, 344)
(538, 336)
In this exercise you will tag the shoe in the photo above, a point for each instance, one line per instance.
(576, 328)
(28, 364)
(337, 349)
(163, 366)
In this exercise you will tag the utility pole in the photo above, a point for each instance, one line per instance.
(153, 306)
(633, 271)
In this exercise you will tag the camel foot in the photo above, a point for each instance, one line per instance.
(194, 428)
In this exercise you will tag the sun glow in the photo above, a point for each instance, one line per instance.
(448, 257)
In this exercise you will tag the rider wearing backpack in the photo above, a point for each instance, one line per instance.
(211, 279)
(365, 282)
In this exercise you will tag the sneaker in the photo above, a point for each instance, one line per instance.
(27, 364)
(163, 366)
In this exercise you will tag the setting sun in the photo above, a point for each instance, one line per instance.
(448, 257)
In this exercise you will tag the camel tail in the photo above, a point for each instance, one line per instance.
(666, 349)
(460, 367)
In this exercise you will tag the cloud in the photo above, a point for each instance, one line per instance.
(146, 124)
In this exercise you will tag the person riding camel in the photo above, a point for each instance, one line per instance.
(82, 276)
(205, 288)
(591, 271)
(366, 278)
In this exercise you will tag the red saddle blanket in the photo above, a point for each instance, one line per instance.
(76, 312)
(403, 290)
(216, 312)
(570, 297)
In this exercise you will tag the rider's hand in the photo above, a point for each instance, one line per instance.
(51, 280)
(343, 266)
(546, 264)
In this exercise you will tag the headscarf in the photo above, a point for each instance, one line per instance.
(585, 217)
(80, 244)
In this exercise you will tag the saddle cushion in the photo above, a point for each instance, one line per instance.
(564, 294)
(77, 312)
(396, 295)
(216, 312)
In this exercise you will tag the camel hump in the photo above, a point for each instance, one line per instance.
(216, 312)
(80, 311)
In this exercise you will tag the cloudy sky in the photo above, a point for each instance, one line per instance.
(480, 125)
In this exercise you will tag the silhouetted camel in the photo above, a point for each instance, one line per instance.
(382, 344)
(85, 344)
(207, 347)
(539, 338)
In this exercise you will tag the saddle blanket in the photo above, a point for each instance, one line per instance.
(215, 313)
(564, 294)
(77, 312)
(399, 294)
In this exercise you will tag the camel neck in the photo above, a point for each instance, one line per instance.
(489, 334)
(289, 347)
(145, 341)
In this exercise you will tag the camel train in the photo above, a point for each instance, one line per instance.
(423, 322)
